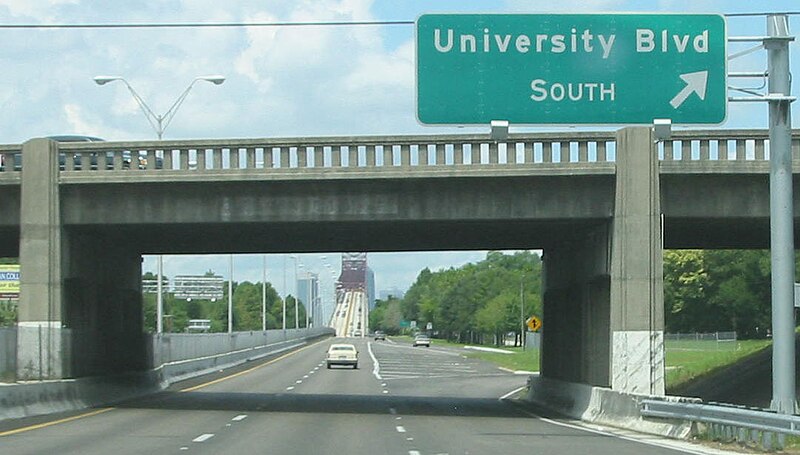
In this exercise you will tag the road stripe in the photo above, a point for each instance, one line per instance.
(376, 370)
(401, 429)
(239, 418)
(511, 393)
(699, 450)
(55, 422)
(290, 388)
(217, 381)
(413, 452)
(203, 437)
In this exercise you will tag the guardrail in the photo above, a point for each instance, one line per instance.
(729, 422)
(393, 151)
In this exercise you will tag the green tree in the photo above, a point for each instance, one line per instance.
(474, 300)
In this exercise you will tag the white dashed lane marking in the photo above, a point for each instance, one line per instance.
(239, 418)
(203, 437)
(401, 429)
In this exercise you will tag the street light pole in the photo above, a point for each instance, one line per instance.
(296, 310)
(230, 294)
(285, 294)
(160, 298)
(159, 124)
(522, 311)
(264, 294)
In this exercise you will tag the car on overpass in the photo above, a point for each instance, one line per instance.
(16, 161)
(342, 354)
(77, 159)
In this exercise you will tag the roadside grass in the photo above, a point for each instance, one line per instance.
(520, 360)
(687, 360)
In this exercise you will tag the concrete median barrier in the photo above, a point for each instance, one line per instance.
(600, 405)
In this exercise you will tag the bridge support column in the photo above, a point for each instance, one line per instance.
(575, 335)
(103, 304)
(637, 283)
(40, 335)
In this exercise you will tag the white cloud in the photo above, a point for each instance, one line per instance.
(40, 9)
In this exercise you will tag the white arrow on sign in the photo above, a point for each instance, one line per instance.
(695, 82)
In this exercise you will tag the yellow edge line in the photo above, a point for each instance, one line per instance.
(55, 422)
(217, 381)
(100, 411)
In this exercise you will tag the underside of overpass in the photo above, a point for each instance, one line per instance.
(81, 242)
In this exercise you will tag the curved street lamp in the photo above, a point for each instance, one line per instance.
(159, 122)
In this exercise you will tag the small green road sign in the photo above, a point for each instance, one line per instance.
(571, 68)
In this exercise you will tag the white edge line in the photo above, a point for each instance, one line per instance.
(376, 370)
(625, 438)
(511, 393)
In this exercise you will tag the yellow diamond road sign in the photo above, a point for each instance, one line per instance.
(534, 323)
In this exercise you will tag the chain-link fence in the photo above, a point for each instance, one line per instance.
(716, 341)
(8, 353)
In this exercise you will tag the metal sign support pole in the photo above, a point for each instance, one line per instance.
(781, 215)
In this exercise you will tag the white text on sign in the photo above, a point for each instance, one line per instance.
(647, 40)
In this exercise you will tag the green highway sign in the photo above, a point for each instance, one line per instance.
(571, 68)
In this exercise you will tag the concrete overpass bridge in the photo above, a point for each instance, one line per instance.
(601, 205)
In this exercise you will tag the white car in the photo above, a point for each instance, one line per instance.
(422, 340)
(342, 354)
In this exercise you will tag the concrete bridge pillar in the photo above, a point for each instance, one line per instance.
(603, 285)
(40, 335)
(103, 304)
(637, 277)
(80, 308)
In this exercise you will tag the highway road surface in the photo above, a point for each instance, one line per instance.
(401, 401)
(351, 315)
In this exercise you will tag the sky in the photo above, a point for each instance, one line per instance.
(281, 82)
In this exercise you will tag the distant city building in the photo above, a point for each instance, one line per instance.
(196, 287)
(356, 276)
(394, 292)
(308, 294)
(370, 288)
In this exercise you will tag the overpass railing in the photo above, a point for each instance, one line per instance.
(393, 151)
